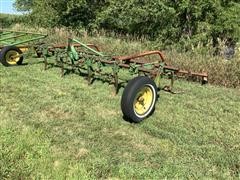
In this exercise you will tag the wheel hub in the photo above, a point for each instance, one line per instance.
(143, 101)
(12, 57)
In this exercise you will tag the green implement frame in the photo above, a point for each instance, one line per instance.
(90, 61)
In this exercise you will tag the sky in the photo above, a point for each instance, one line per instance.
(6, 6)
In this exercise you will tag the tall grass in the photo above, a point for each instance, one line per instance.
(200, 59)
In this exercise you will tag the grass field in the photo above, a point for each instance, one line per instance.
(58, 128)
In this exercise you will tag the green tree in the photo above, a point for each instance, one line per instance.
(41, 12)
(140, 17)
(23, 5)
(81, 12)
(171, 22)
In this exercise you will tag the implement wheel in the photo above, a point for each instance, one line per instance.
(139, 99)
(11, 55)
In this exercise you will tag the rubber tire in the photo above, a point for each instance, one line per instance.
(129, 94)
(4, 52)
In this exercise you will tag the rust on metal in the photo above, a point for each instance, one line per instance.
(132, 57)
(177, 71)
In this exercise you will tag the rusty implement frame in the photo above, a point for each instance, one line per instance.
(92, 63)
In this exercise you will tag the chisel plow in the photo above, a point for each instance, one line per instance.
(140, 74)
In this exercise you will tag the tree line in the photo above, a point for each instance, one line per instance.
(169, 22)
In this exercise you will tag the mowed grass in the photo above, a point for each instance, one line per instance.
(58, 128)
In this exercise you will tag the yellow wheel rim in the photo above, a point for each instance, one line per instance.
(143, 101)
(12, 57)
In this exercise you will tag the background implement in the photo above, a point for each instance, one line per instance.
(14, 45)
